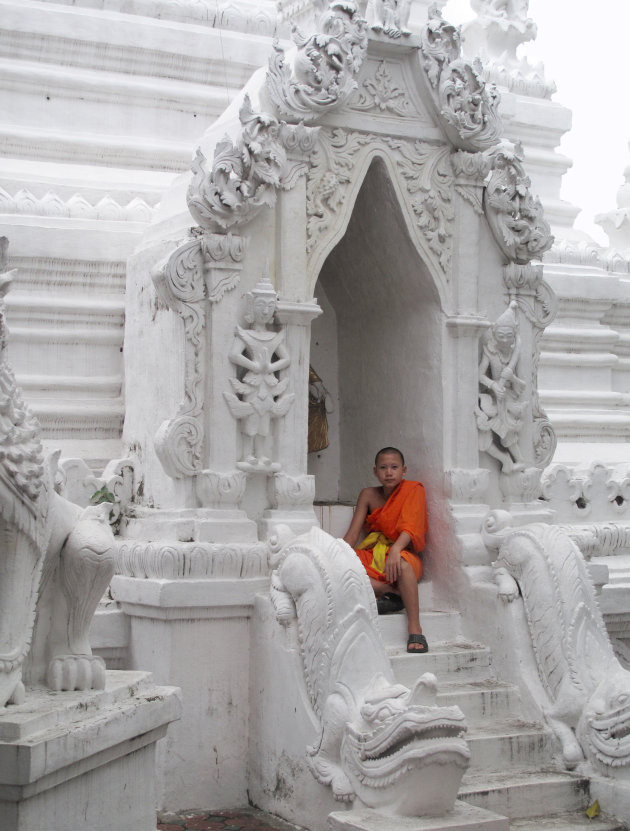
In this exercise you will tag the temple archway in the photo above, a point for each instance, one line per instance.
(377, 366)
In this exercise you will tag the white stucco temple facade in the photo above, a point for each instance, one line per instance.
(246, 245)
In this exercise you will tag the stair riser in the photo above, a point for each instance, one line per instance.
(466, 666)
(479, 705)
(496, 753)
(522, 801)
(437, 627)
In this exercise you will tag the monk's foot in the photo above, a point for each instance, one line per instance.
(417, 643)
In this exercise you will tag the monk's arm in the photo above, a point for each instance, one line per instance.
(393, 563)
(358, 518)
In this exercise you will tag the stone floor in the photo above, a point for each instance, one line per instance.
(242, 819)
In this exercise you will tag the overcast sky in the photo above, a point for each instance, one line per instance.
(584, 50)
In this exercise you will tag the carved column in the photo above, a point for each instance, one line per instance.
(291, 491)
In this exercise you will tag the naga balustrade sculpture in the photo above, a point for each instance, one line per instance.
(56, 559)
(576, 679)
(381, 743)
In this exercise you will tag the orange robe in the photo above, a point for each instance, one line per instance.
(405, 510)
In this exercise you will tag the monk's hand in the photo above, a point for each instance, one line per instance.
(393, 565)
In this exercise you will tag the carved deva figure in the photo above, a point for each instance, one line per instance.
(56, 559)
(574, 675)
(260, 355)
(500, 410)
(390, 748)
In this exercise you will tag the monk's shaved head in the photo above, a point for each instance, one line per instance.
(386, 450)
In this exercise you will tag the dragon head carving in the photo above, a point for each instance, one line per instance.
(391, 748)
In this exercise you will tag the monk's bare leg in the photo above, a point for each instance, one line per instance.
(408, 588)
(380, 587)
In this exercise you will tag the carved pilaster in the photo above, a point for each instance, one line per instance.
(537, 301)
(200, 270)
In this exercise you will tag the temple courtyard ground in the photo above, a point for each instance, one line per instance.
(242, 819)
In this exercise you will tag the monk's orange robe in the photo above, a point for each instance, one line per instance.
(405, 510)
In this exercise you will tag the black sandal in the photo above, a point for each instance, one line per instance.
(389, 603)
(421, 641)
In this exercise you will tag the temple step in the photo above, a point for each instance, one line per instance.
(521, 795)
(437, 626)
(463, 660)
(568, 822)
(481, 700)
(503, 745)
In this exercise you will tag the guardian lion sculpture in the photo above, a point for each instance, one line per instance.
(56, 559)
(390, 747)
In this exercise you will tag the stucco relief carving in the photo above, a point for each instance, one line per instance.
(424, 168)
(51, 204)
(381, 92)
(181, 560)
(467, 485)
(428, 175)
(470, 170)
(286, 492)
(202, 269)
(220, 489)
(515, 216)
(594, 492)
(581, 687)
(244, 176)
(501, 399)
(388, 746)
(322, 74)
(259, 393)
(389, 17)
(537, 301)
(467, 108)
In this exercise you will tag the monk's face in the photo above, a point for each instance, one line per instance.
(389, 470)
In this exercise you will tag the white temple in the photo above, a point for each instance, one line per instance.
(248, 244)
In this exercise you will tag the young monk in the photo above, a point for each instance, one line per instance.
(395, 515)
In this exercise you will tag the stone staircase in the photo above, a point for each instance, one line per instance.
(514, 771)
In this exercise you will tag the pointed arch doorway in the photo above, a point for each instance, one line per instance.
(377, 347)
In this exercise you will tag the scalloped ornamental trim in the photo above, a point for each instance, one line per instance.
(181, 560)
(76, 207)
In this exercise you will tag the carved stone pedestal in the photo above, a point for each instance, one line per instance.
(463, 817)
(76, 760)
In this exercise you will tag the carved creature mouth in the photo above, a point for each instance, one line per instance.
(609, 737)
(406, 740)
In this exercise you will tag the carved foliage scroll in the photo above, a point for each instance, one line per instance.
(467, 108)
(424, 168)
(515, 216)
(322, 76)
